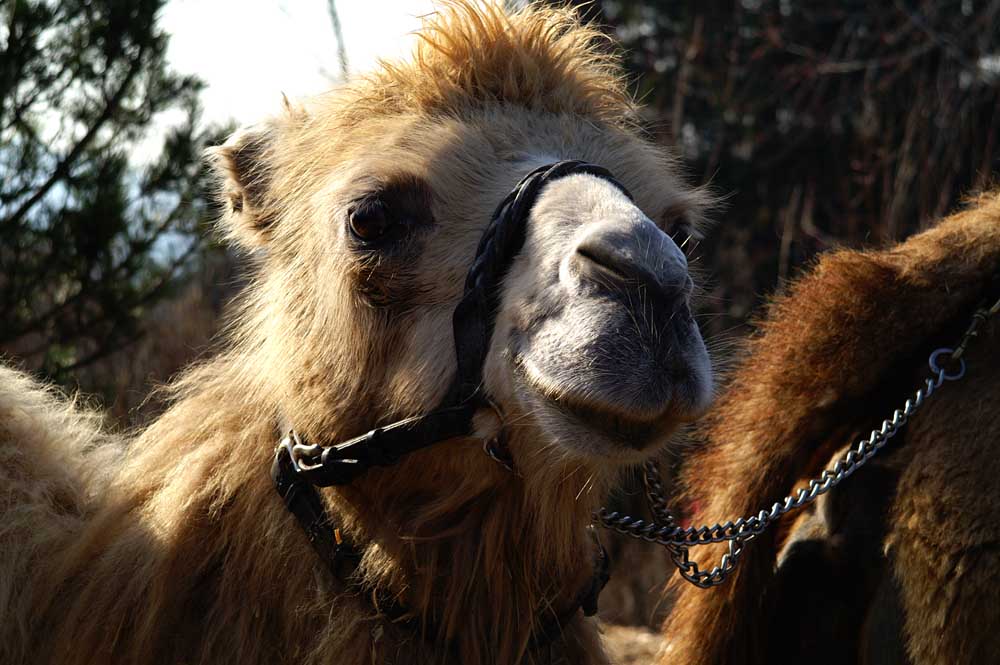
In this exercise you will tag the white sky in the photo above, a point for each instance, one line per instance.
(249, 52)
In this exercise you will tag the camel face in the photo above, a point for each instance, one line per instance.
(598, 335)
(595, 349)
(366, 206)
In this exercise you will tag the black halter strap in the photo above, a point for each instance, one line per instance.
(472, 322)
(475, 315)
(299, 468)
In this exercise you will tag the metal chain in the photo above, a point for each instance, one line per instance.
(677, 540)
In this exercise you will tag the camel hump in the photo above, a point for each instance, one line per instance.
(54, 455)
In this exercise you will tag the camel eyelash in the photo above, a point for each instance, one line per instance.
(676, 223)
(389, 215)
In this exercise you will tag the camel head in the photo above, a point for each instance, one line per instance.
(363, 209)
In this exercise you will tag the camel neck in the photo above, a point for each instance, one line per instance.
(465, 553)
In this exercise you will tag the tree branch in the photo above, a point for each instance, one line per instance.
(66, 163)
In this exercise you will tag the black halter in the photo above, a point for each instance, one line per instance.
(298, 468)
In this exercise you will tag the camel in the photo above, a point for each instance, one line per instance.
(360, 212)
(900, 563)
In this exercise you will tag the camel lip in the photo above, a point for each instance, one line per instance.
(634, 430)
(622, 430)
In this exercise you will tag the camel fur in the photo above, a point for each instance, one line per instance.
(171, 545)
(902, 561)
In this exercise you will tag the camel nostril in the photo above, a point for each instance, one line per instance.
(622, 258)
(600, 262)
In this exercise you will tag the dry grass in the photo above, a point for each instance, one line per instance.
(629, 645)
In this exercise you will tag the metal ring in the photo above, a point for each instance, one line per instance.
(941, 371)
(489, 447)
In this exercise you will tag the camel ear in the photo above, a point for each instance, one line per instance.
(242, 164)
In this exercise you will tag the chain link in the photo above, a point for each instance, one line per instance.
(678, 540)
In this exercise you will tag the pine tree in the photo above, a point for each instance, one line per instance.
(90, 237)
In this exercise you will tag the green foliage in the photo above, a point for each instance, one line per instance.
(90, 238)
(826, 122)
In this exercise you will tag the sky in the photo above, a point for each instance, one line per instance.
(250, 52)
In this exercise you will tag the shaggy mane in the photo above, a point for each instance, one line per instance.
(540, 57)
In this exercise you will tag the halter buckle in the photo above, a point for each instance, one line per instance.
(319, 465)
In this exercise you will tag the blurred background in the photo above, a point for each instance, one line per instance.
(824, 123)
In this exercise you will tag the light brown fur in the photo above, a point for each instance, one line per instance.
(846, 344)
(181, 551)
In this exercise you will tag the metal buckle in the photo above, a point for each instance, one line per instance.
(495, 447)
(304, 457)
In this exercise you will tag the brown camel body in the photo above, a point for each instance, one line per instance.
(901, 564)
(361, 212)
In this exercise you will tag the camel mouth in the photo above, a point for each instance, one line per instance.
(600, 380)
(591, 425)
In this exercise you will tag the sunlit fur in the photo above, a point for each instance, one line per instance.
(845, 346)
(55, 460)
(468, 55)
(179, 550)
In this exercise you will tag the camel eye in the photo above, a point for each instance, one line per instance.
(677, 224)
(389, 216)
(369, 221)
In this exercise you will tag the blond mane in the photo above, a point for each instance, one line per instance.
(470, 54)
